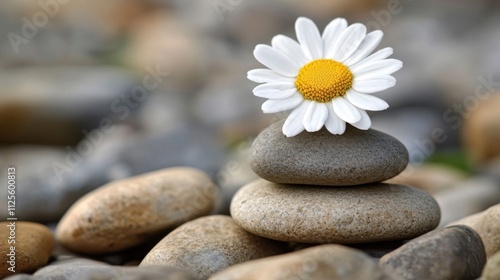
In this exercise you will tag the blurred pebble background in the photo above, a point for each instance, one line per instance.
(93, 91)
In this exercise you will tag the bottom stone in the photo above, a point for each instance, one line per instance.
(317, 214)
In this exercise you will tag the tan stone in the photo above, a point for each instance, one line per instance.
(492, 269)
(33, 246)
(481, 131)
(321, 214)
(326, 262)
(487, 225)
(210, 244)
(428, 177)
(163, 42)
(128, 212)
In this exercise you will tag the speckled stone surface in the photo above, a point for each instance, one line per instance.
(320, 158)
(455, 252)
(487, 225)
(128, 212)
(316, 214)
(33, 246)
(70, 267)
(210, 244)
(324, 262)
(492, 269)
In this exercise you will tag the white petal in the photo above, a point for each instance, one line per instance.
(293, 124)
(267, 76)
(275, 90)
(364, 123)
(309, 37)
(345, 110)
(374, 84)
(276, 61)
(275, 94)
(348, 42)
(377, 67)
(333, 123)
(290, 48)
(331, 34)
(365, 101)
(275, 86)
(379, 55)
(369, 43)
(274, 106)
(315, 116)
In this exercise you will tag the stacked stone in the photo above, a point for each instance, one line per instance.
(324, 188)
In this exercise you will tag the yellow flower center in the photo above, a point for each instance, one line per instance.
(322, 80)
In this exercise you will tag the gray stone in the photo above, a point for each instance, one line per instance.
(319, 214)
(324, 262)
(473, 195)
(66, 267)
(455, 252)
(320, 158)
(377, 249)
(415, 124)
(69, 267)
(187, 144)
(209, 244)
(56, 176)
(20, 277)
(129, 212)
(60, 176)
(487, 225)
(492, 269)
(229, 90)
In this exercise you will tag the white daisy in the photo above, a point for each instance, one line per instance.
(326, 79)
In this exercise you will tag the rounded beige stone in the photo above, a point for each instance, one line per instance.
(487, 225)
(316, 214)
(480, 132)
(324, 262)
(33, 246)
(210, 244)
(128, 212)
(492, 269)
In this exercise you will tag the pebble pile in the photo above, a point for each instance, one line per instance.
(324, 188)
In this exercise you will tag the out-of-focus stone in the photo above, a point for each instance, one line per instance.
(27, 246)
(466, 198)
(66, 267)
(481, 132)
(162, 42)
(429, 177)
(60, 105)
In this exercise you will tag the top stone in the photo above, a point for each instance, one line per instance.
(320, 158)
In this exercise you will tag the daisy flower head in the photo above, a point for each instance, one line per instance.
(325, 79)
